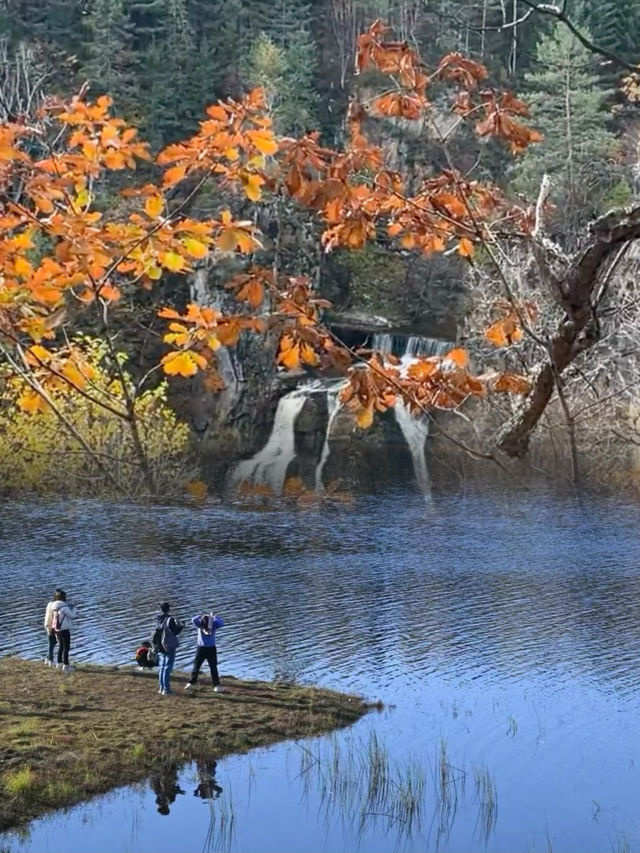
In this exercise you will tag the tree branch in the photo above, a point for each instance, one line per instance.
(560, 15)
(578, 330)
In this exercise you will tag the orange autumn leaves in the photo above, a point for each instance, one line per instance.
(357, 196)
(439, 382)
(59, 247)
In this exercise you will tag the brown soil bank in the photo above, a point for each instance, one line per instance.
(65, 737)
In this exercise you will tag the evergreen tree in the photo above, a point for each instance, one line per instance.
(279, 32)
(216, 28)
(578, 152)
(110, 60)
(167, 61)
(615, 25)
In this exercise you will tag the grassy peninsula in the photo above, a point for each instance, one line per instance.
(65, 738)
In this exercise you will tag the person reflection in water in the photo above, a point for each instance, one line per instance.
(165, 786)
(207, 788)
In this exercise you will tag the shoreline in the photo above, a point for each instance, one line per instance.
(65, 738)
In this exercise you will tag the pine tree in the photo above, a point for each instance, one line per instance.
(615, 25)
(215, 25)
(109, 59)
(578, 152)
(165, 73)
(279, 32)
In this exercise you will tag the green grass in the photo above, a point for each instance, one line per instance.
(104, 727)
(19, 783)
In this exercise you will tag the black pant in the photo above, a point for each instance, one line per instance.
(64, 644)
(209, 654)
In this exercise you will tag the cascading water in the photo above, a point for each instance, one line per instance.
(382, 342)
(415, 429)
(418, 347)
(333, 407)
(269, 465)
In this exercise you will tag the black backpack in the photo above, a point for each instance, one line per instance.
(163, 639)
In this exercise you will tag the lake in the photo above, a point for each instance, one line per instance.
(501, 630)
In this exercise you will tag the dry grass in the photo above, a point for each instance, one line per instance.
(64, 738)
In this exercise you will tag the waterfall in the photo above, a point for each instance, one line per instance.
(333, 407)
(382, 342)
(418, 347)
(415, 429)
(269, 465)
(408, 346)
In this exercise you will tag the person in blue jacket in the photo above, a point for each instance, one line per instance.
(207, 625)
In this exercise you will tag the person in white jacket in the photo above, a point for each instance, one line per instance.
(58, 620)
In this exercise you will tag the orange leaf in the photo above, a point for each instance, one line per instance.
(22, 267)
(308, 355)
(75, 377)
(459, 356)
(110, 292)
(154, 206)
(466, 248)
(422, 370)
(236, 238)
(263, 140)
(185, 363)
(252, 187)
(512, 383)
(252, 292)
(32, 402)
(173, 175)
(504, 332)
(365, 418)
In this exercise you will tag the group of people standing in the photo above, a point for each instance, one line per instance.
(159, 651)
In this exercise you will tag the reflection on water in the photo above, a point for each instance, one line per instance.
(165, 786)
(504, 627)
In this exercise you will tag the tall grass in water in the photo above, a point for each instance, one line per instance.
(449, 785)
(487, 797)
(357, 781)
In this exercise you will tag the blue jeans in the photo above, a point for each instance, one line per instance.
(165, 666)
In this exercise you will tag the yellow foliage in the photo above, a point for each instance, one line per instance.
(37, 455)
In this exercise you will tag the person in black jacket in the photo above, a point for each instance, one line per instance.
(165, 623)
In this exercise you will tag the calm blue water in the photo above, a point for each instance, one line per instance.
(503, 628)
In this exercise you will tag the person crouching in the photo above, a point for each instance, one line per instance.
(144, 656)
(207, 625)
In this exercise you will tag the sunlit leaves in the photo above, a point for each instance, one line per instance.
(154, 206)
(465, 248)
(507, 330)
(172, 261)
(60, 254)
(185, 363)
(236, 236)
